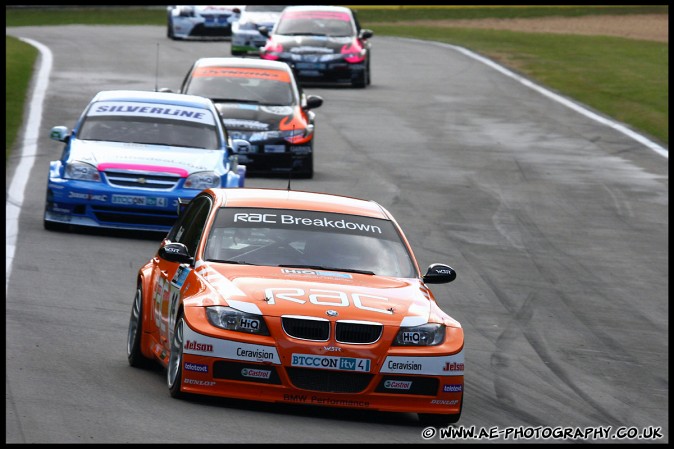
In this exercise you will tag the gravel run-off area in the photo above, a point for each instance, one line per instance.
(650, 27)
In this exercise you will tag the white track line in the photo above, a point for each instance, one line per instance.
(566, 102)
(28, 153)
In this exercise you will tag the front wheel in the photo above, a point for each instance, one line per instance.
(169, 30)
(369, 73)
(174, 372)
(362, 79)
(135, 334)
(307, 171)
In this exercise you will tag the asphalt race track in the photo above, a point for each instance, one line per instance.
(556, 224)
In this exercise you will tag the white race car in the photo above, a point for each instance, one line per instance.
(201, 21)
(246, 39)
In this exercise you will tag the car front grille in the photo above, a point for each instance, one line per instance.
(357, 333)
(202, 30)
(141, 180)
(318, 329)
(216, 18)
(306, 328)
(328, 381)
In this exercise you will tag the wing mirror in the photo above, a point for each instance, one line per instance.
(263, 30)
(175, 252)
(439, 274)
(240, 146)
(314, 101)
(59, 133)
(365, 33)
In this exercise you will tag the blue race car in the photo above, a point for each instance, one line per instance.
(133, 155)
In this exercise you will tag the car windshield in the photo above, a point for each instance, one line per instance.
(316, 23)
(265, 8)
(151, 125)
(243, 85)
(308, 240)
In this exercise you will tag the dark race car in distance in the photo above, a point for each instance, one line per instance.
(323, 44)
(261, 102)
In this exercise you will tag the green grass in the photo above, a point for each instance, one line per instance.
(622, 78)
(405, 13)
(85, 16)
(19, 60)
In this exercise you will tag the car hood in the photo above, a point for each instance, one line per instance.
(309, 45)
(267, 19)
(213, 9)
(152, 158)
(276, 291)
(244, 117)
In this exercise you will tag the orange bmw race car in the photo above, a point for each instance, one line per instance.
(297, 297)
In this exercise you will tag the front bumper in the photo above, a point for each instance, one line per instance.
(201, 30)
(81, 204)
(247, 43)
(276, 158)
(232, 369)
(327, 72)
(98, 205)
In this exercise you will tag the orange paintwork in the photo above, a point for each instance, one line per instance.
(242, 72)
(263, 372)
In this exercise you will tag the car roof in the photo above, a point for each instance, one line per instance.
(317, 8)
(263, 8)
(154, 97)
(298, 200)
(241, 62)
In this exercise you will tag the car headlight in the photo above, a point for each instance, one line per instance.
(202, 180)
(235, 320)
(430, 334)
(82, 171)
(290, 135)
(296, 136)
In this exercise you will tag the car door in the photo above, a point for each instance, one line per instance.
(170, 276)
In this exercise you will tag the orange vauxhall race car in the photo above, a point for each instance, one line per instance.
(297, 297)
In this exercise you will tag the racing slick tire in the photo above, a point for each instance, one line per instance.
(174, 371)
(362, 80)
(438, 420)
(369, 74)
(169, 30)
(135, 334)
(308, 170)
